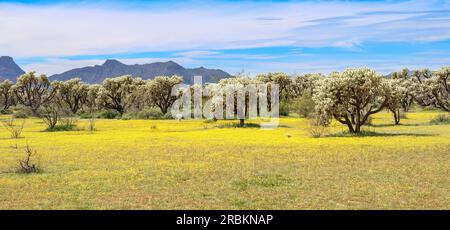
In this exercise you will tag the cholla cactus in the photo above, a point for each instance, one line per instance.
(6, 94)
(404, 80)
(34, 91)
(73, 94)
(159, 92)
(118, 93)
(351, 96)
(214, 106)
(238, 96)
(305, 84)
(92, 100)
(396, 92)
(434, 88)
(283, 80)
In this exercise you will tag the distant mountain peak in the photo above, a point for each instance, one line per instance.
(9, 69)
(113, 68)
(6, 58)
(168, 63)
(112, 62)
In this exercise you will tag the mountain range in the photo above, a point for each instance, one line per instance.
(9, 70)
(113, 68)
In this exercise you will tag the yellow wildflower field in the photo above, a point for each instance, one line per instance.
(170, 164)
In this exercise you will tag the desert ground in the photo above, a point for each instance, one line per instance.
(196, 164)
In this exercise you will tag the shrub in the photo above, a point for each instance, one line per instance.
(317, 128)
(304, 105)
(50, 115)
(29, 164)
(85, 115)
(22, 112)
(91, 125)
(167, 116)
(403, 116)
(61, 128)
(284, 109)
(69, 121)
(6, 111)
(440, 119)
(238, 125)
(150, 113)
(14, 129)
(127, 116)
(109, 114)
(363, 133)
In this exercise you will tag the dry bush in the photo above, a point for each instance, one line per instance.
(13, 128)
(403, 116)
(50, 115)
(69, 121)
(29, 163)
(317, 128)
(91, 125)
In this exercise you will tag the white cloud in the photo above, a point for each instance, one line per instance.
(196, 53)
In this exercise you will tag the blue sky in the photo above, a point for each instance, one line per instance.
(254, 36)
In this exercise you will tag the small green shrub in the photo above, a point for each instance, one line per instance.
(150, 114)
(6, 111)
(167, 116)
(428, 108)
(127, 116)
(109, 114)
(20, 115)
(237, 125)
(284, 109)
(304, 105)
(85, 115)
(363, 133)
(61, 128)
(440, 119)
(22, 112)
